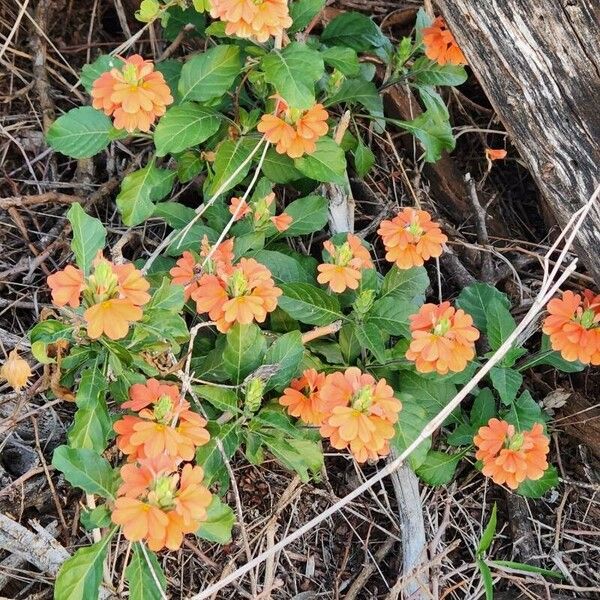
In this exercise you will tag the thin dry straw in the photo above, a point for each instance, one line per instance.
(547, 290)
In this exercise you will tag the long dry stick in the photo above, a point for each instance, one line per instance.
(547, 290)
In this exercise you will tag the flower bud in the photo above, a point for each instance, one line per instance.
(364, 301)
(16, 371)
(254, 394)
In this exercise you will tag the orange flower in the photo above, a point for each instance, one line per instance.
(66, 286)
(239, 208)
(348, 261)
(222, 256)
(112, 318)
(244, 295)
(302, 397)
(495, 153)
(165, 424)
(160, 505)
(440, 44)
(135, 95)
(360, 413)
(184, 273)
(573, 324)
(443, 339)
(16, 371)
(282, 222)
(510, 457)
(411, 238)
(131, 283)
(254, 19)
(294, 132)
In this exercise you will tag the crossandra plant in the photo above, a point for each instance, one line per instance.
(244, 336)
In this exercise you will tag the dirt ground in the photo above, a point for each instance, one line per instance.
(356, 554)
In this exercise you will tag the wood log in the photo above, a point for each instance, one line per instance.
(539, 66)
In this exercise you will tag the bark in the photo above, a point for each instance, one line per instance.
(539, 66)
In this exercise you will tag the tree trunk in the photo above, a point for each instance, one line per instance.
(539, 65)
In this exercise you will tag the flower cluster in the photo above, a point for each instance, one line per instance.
(253, 19)
(443, 339)
(573, 324)
(411, 238)
(345, 265)
(135, 94)
(351, 408)
(160, 500)
(440, 44)
(260, 210)
(230, 293)
(510, 457)
(113, 296)
(294, 132)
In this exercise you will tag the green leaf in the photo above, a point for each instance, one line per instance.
(359, 91)
(85, 469)
(139, 191)
(488, 533)
(434, 133)
(428, 72)
(293, 72)
(92, 71)
(167, 297)
(184, 126)
(475, 298)
(392, 315)
(309, 215)
(364, 159)
(484, 408)
(219, 522)
(97, 517)
(171, 71)
(176, 215)
(80, 133)
(229, 159)
(486, 576)
(139, 575)
(356, 31)
(303, 12)
(344, 59)
(189, 165)
(210, 74)
(507, 383)
(210, 458)
(547, 356)
(411, 422)
(191, 239)
(309, 304)
(80, 576)
(279, 168)
(524, 412)
(369, 336)
(50, 331)
(178, 18)
(326, 163)
(303, 456)
(500, 323)
(244, 350)
(539, 487)
(92, 425)
(438, 467)
(284, 268)
(518, 566)
(286, 352)
(406, 284)
(433, 394)
(223, 399)
(349, 345)
(89, 236)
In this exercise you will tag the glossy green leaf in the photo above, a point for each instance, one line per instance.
(303, 12)
(293, 72)
(279, 168)
(89, 236)
(433, 394)
(524, 412)
(80, 576)
(500, 323)
(85, 469)
(244, 350)
(209, 75)
(354, 30)
(232, 163)
(309, 215)
(438, 468)
(364, 159)
(142, 574)
(326, 164)
(178, 19)
(475, 298)
(428, 72)
(539, 487)
(139, 191)
(406, 284)
(488, 533)
(219, 522)
(507, 383)
(92, 71)
(408, 428)
(167, 297)
(309, 304)
(223, 399)
(80, 133)
(344, 59)
(370, 337)
(183, 126)
(174, 214)
(392, 315)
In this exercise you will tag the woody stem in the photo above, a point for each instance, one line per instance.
(319, 332)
